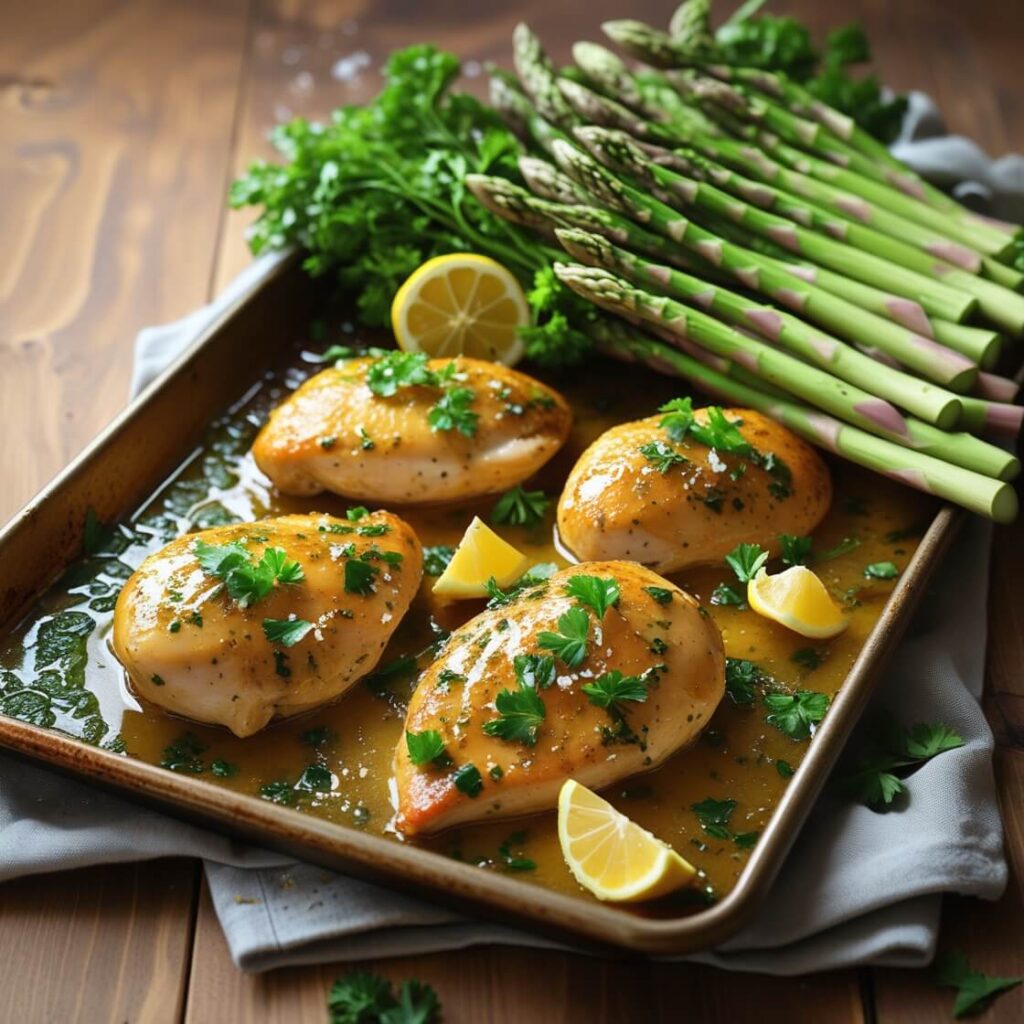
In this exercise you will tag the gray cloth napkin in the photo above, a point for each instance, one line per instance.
(859, 887)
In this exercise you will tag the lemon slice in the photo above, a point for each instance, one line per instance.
(461, 304)
(480, 555)
(798, 600)
(612, 856)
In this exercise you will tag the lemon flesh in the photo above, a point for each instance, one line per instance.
(798, 600)
(612, 856)
(481, 554)
(461, 304)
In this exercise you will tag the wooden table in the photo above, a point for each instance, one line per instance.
(123, 122)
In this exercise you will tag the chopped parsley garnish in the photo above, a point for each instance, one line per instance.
(661, 455)
(519, 507)
(721, 433)
(795, 550)
(436, 559)
(714, 816)
(659, 594)
(889, 755)
(808, 658)
(844, 547)
(398, 370)
(612, 689)
(596, 592)
(183, 755)
(520, 714)
(467, 780)
(515, 861)
(723, 594)
(281, 664)
(354, 515)
(223, 769)
(426, 747)
(365, 998)
(285, 632)
(745, 560)
(246, 582)
(175, 626)
(785, 769)
(452, 412)
(373, 530)
(359, 577)
(315, 778)
(448, 676)
(678, 417)
(365, 441)
(534, 670)
(327, 442)
(881, 571)
(796, 714)
(278, 792)
(741, 677)
(570, 642)
(974, 990)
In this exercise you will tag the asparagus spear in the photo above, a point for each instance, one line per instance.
(978, 493)
(518, 113)
(548, 182)
(658, 48)
(814, 386)
(1003, 307)
(935, 405)
(537, 75)
(760, 273)
(599, 108)
(935, 297)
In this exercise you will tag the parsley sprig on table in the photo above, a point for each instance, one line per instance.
(247, 582)
(889, 755)
(380, 189)
(365, 998)
(974, 990)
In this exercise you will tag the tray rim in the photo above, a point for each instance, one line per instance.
(431, 874)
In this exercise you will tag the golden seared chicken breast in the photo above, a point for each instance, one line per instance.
(240, 624)
(405, 429)
(602, 671)
(671, 495)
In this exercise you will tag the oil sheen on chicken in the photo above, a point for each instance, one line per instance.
(637, 494)
(655, 643)
(336, 434)
(231, 647)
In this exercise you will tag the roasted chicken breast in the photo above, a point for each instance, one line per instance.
(545, 688)
(637, 494)
(239, 624)
(339, 433)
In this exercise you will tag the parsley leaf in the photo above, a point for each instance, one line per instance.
(723, 594)
(467, 780)
(364, 998)
(923, 741)
(881, 571)
(426, 747)
(973, 988)
(745, 560)
(519, 507)
(359, 577)
(436, 559)
(354, 515)
(247, 583)
(534, 670)
(611, 689)
(844, 547)
(795, 550)
(659, 594)
(741, 676)
(678, 417)
(398, 370)
(662, 456)
(520, 714)
(570, 642)
(714, 816)
(595, 592)
(515, 861)
(795, 714)
(286, 632)
(452, 412)
(721, 433)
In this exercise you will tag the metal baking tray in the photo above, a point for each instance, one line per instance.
(137, 452)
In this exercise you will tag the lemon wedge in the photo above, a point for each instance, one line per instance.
(480, 555)
(798, 600)
(612, 856)
(461, 304)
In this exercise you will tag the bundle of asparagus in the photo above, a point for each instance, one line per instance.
(772, 251)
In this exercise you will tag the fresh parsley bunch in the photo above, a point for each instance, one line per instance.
(380, 189)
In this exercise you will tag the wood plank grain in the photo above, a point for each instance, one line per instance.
(502, 985)
(116, 118)
(101, 944)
